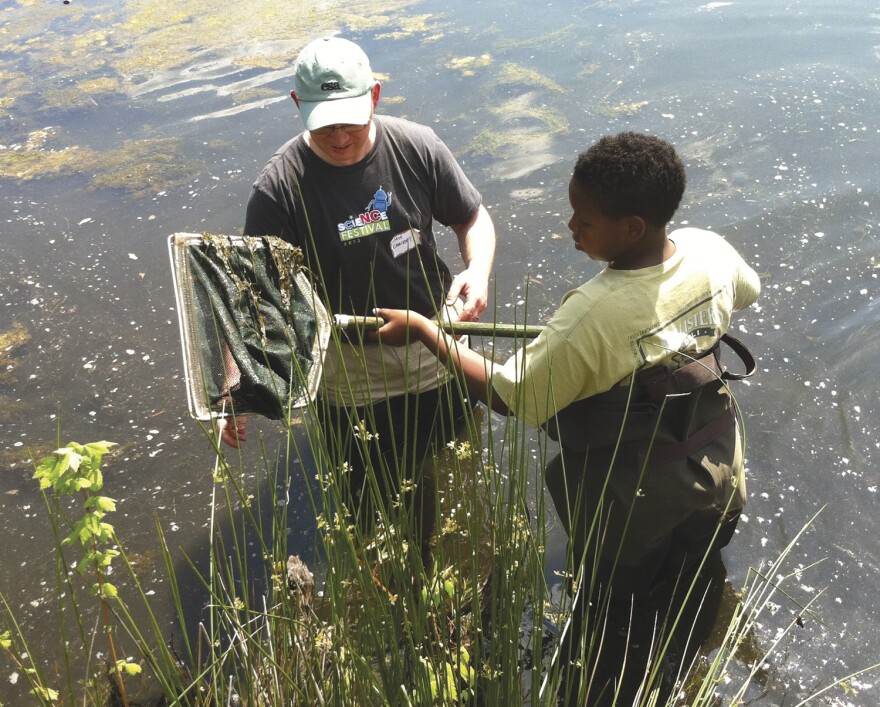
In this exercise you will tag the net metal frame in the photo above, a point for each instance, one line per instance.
(292, 315)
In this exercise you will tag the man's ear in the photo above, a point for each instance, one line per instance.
(377, 90)
(295, 99)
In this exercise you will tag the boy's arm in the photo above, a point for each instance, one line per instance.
(402, 327)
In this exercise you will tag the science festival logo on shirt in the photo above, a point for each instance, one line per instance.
(374, 219)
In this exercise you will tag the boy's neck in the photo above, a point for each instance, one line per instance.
(652, 249)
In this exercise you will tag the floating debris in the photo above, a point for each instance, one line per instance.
(517, 74)
(468, 65)
(33, 159)
(11, 340)
(527, 193)
(620, 109)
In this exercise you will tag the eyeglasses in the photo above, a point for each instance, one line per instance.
(329, 129)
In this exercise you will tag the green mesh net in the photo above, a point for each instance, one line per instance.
(252, 328)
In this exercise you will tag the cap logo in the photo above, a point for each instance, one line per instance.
(330, 86)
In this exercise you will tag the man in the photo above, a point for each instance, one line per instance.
(359, 194)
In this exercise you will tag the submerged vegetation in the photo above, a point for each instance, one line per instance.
(34, 158)
(142, 167)
(517, 74)
(521, 140)
(10, 341)
(85, 58)
(138, 167)
(468, 65)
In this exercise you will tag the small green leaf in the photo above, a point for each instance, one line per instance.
(98, 448)
(68, 459)
(105, 504)
(128, 668)
(105, 532)
(85, 535)
(46, 693)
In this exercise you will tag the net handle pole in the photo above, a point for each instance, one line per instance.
(351, 323)
(220, 422)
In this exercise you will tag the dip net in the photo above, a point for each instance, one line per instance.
(252, 329)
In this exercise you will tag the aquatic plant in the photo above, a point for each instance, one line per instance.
(468, 65)
(380, 617)
(76, 470)
(469, 625)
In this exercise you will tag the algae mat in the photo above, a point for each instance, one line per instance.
(64, 64)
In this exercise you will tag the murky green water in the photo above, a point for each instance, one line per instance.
(121, 123)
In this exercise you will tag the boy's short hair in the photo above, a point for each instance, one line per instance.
(632, 174)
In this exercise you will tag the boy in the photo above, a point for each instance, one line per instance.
(627, 370)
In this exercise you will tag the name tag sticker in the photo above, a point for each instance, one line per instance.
(405, 242)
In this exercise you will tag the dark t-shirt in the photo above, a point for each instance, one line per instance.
(367, 229)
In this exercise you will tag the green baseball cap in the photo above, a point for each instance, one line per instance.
(334, 83)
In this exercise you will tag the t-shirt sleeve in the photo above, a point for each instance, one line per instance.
(747, 285)
(264, 216)
(455, 199)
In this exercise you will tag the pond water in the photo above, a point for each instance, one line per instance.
(121, 123)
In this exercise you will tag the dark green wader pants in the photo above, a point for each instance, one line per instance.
(641, 517)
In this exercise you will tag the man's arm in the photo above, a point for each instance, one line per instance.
(476, 242)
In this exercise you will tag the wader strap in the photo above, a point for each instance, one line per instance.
(665, 453)
(741, 350)
(658, 382)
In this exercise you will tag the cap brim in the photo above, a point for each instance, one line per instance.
(342, 111)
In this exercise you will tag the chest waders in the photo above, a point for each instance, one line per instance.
(650, 476)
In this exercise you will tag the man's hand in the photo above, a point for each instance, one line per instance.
(476, 242)
(473, 287)
(232, 430)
